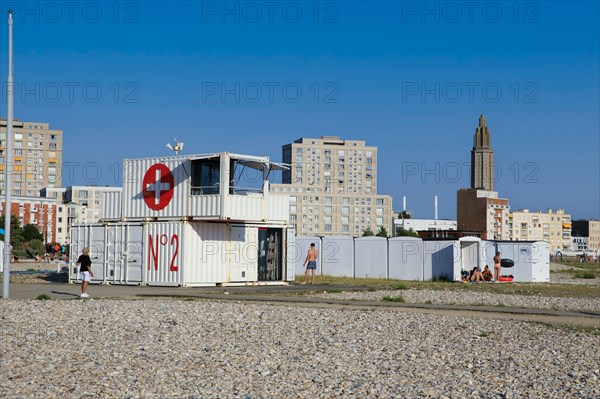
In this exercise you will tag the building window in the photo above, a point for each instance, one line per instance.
(328, 228)
(345, 210)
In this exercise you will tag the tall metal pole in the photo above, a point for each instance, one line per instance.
(9, 161)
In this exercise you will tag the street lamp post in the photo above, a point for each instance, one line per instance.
(9, 160)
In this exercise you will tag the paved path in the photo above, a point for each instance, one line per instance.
(284, 296)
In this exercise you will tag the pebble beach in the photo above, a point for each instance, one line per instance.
(175, 348)
(171, 348)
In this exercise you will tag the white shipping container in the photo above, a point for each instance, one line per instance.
(92, 236)
(181, 253)
(202, 187)
(337, 256)
(405, 258)
(111, 205)
(438, 258)
(371, 257)
(124, 249)
(531, 259)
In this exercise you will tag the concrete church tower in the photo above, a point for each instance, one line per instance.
(482, 158)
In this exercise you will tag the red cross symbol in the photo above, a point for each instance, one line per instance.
(157, 186)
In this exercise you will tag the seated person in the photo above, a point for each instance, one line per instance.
(487, 274)
(476, 274)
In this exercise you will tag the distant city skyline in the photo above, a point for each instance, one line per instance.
(412, 83)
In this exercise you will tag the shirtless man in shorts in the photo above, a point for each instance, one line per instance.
(311, 259)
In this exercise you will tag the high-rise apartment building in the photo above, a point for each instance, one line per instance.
(37, 157)
(551, 226)
(332, 184)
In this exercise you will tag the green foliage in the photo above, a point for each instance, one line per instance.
(382, 232)
(43, 297)
(402, 232)
(586, 275)
(30, 232)
(484, 334)
(404, 215)
(441, 278)
(36, 247)
(16, 232)
(368, 232)
(398, 298)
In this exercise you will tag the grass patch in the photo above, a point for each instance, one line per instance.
(399, 299)
(31, 269)
(586, 274)
(428, 302)
(334, 291)
(484, 334)
(397, 287)
(441, 278)
(528, 289)
(43, 297)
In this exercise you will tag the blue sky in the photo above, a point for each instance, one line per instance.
(123, 78)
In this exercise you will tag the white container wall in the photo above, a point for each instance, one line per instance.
(405, 258)
(439, 258)
(290, 253)
(370, 257)
(532, 260)
(92, 236)
(162, 188)
(124, 250)
(337, 256)
(300, 249)
(111, 205)
(1, 257)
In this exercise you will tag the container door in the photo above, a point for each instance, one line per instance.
(132, 255)
(77, 244)
(270, 254)
(97, 245)
(113, 253)
(290, 254)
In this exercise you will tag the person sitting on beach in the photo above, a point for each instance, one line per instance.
(476, 274)
(487, 274)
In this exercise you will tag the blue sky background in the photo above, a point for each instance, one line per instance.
(154, 60)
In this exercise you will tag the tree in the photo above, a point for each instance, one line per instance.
(36, 247)
(16, 232)
(402, 232)
(404, 215)
(382, 232)
(368, 232)
(30, 232)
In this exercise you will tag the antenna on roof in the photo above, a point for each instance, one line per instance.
(177, 147)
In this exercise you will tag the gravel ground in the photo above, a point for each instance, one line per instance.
(196, 349)
(564, 278)
(475, 298)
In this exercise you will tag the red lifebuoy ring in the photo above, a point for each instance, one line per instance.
(505, 279)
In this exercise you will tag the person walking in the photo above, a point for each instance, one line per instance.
(85, 268)
(497, 266)
(311, 263)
